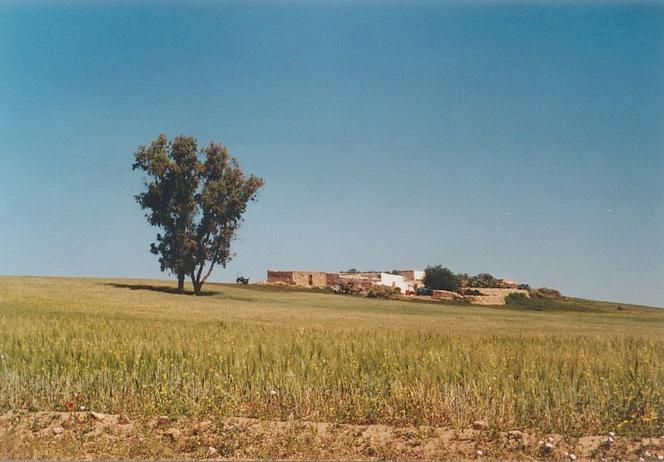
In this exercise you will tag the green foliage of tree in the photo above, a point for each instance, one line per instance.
(196, 198)
(439, 278)
(483, 280)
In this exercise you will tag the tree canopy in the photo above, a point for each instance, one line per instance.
(484, 280)
(439, 278)
(196, 198)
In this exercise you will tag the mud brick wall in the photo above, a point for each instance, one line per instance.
(409, 275)
(284, 277)
(332, 279)
(299, 278)
(320, 279)
(310, 278)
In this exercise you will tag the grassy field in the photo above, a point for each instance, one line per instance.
(128, 346)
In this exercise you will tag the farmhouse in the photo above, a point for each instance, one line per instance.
(412, 275)
(406, 280)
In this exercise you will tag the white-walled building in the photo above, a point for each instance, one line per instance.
(394, 280)
(406, 280)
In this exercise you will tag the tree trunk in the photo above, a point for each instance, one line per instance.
(197, 285)
(181, 283)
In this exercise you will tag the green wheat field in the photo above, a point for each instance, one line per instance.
(130, 346)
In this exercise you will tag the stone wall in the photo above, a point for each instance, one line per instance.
(446, 295)
(409, 275)
(298, 278)
(310, 278)
(332, 279)
(319, 278)
(283, 277)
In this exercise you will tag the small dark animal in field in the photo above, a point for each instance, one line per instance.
(242, 280)
(620, 308)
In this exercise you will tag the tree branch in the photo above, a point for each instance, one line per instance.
(200, 271)
(208, 273)
(203, 245)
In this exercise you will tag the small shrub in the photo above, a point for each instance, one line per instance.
(544, 292)
(472, 292)
(377, 291)
(517, 299)
(524, 287)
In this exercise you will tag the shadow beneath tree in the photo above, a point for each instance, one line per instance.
(164, 289)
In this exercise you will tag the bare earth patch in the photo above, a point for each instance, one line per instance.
(91, 435)
(494, 296)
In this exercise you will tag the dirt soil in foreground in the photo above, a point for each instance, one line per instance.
(91, 435)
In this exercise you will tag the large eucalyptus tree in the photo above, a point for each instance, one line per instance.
(196, 198)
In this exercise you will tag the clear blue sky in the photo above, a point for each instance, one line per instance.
(519, 139)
